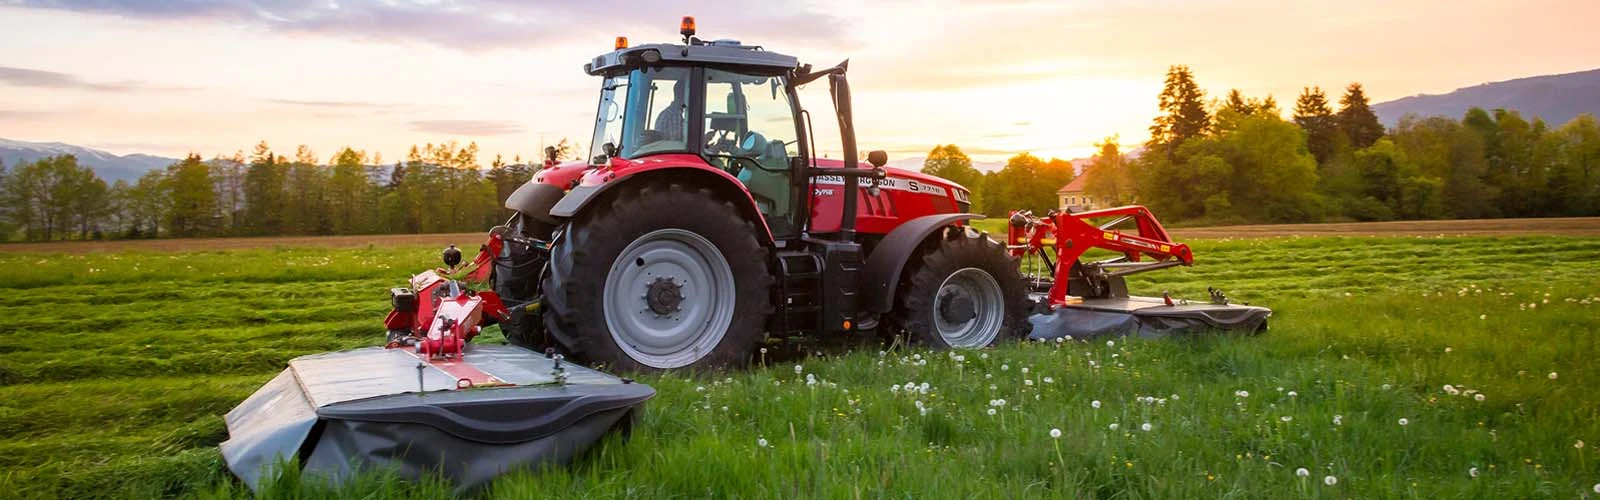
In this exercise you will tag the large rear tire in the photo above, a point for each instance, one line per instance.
(658, 277)
(962, 291)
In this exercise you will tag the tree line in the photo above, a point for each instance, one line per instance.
(437, 188)
(1238, 160)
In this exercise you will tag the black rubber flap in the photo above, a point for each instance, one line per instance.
(1145, 317)
(500, 415)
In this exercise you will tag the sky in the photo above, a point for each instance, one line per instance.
(996, 77)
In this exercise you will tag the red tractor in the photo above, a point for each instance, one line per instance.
(704, 221)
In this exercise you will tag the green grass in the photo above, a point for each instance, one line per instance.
(115, 370)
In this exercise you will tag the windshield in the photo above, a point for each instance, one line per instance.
(642, 113)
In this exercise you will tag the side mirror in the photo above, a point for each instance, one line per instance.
(878, 158)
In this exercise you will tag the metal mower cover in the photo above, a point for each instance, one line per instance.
(337, 413)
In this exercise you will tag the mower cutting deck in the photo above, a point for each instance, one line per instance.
(1087, 299)
(428, 402)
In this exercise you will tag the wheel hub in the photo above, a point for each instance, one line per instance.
(664, 296)
(957, 307)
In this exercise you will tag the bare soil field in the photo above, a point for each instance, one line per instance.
(1568, 226)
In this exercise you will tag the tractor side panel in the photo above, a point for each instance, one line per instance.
(902, 196)
(881, 273)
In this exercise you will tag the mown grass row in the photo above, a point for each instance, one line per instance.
(112, 383)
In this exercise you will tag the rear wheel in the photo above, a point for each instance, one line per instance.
(963, 291)
(658, 277)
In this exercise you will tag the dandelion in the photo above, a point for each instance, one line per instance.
(811, 379)
(894, 388)
(763, 350)
(1447, 350)
(1024, 370)
(1478, 397)
(1028, 382)
(1483, 316)
(1146, 427)
(1113, 426)
(799, 369)
(1286, 418)
(1174, 397)
(1473, 472)
(991, 412)
(699, 388)
(1387, 387)
(1404, 422)
(761, 442)
(1049, 380)
(1111, 343)
(1597, 487)
(1060, 339)
(1302, 472)
(983, 356)
(1005, 367)
(1293, 394)
(1338, 420)
(961, 359)
(1055, 433)
(1242, 394)
(1330, 480)
(1578, 445)
(1095, 404)
(1552, 375)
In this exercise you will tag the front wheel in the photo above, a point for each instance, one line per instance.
(963, 291)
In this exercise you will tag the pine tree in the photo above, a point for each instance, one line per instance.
(1312, 113)
(1356, 118)
(194, 209)
(1183, 112)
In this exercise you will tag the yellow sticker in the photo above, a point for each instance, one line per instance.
(1111, 236)
(1166, 248)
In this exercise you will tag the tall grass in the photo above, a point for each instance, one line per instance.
(116, 369)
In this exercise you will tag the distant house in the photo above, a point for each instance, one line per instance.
(1074, 196)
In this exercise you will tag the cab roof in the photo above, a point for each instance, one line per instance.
(729, 52)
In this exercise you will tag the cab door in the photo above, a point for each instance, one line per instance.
(750, 130)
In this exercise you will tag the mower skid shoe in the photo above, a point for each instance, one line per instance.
(1146, 317)
(339, 413)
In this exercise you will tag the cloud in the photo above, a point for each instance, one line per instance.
(468, 127)
(459, 24)
(25, 77)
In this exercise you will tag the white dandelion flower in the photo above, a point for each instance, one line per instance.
(761, 442)
(1049, 380)
(1478, 397)
(799, 369)
(699, 388)
(1005, 367)
(1552, 375)
(991, 412)
(1404, 422)
(1146, 427)
(1055, 433)
(1286, 419)
(1111, 343)
(1597, 487)
(1113, 426)
(1483, 316)
(894, 388)
(1473, 472)
(1578, 445)
(1242, 394)
(1302, 472)
(1338, 420)
(1387, 387)
(1330, 480)
(983, 356)
(1060, 339)
(1027, 382)
(1095, 404)
(1024, 370)
(1293, 394)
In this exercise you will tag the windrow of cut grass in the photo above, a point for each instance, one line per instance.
(116, 370)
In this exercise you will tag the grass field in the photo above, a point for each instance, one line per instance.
(1396, 367)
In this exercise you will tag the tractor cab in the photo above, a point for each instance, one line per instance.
(734, 106)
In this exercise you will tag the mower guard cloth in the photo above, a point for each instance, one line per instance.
(336, 414)
(1146, 317)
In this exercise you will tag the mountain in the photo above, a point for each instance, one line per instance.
(108, 166)
(1556, 98)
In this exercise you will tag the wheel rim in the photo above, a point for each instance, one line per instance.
(669, 298)
(969, 308)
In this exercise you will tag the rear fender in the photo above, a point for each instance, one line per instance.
(883, 268)
(596, 183)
